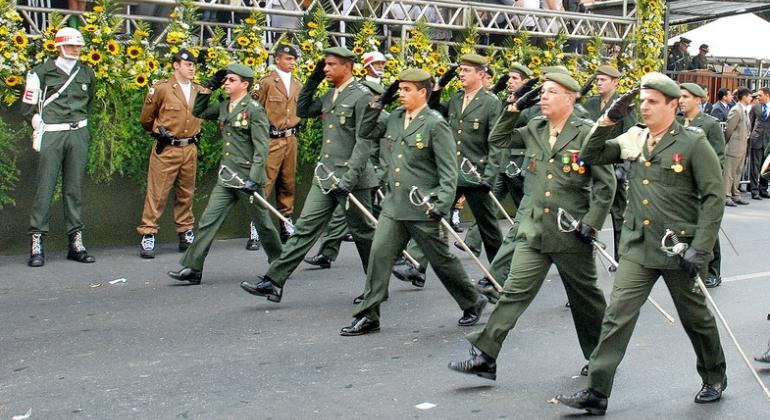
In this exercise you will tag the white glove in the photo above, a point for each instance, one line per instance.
(37, 120)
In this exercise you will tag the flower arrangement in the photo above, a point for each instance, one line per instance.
(312, 39)
(646, 43)
(365, 41)
(248, 38)
(14, 50)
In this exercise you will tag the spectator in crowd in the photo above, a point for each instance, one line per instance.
(678, 57)
(699, 61)
(760, 133)
(722, 106)
(705, 105)
(737, 135)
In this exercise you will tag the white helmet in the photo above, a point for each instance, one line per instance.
(68, 36)
(372, 57)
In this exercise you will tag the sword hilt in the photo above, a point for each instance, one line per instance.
(227, 175)
(563, 216)
(417, 199)
(472, 171)
(516, 169)
(677, 248)
(320, 180)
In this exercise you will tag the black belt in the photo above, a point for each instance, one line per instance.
(279, 134)
(186, 142)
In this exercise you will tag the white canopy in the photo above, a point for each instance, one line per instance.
(739, 36)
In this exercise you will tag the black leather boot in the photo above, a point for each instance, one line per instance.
(36, 252)
(588, 399)
(77, 251)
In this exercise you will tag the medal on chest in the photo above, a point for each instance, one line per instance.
(342, 119)
(677, 166)
(418, 140)
(476, 124)
(565, 163)
(575, 164)
(244, 119)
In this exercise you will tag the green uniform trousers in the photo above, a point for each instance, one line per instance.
(715, 265)
(220, 202)
(65, 152)
(316, 213)
(616, 213)
(390, 238)
(528, 270)
(335, 231)
(633, 284)
(503, 185)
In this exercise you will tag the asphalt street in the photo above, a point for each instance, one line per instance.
(75, 346)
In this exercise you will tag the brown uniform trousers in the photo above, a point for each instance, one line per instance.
(281, 108)
(175, 166)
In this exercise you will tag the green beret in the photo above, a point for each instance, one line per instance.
(694, 89)
(661, 83)
(523, 70)
(554, 69)
(376, 88)
(240, 70)
(413, 75)
(608, 70)
(340, 52)
(565, 80)
(473, 60)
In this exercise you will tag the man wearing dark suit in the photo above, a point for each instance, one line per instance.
(722, 106)
(760, 132)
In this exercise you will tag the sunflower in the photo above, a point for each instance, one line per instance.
(592, 67)
(310, 66)
(367, 31)
(550, 44)
(357, 50)
(98, 9)
(250, 21)
(152, 65)
(263, 55)
(20, 40)
(312, 33)
(94, 57)
(51, 30)
(509, 56)
(113, 47)
(3, 30)
(90, 28)
(647, 69)
(517, 41)
(250, 61)
(133, 52)
(536, 60)
(12, 80)
(390, 63)
(395, 49)
(590, 49)
(212, 54)
(140, 80)
(49, 45)
(441, 70)
(312, 25)
(243, 41)
(306, 45)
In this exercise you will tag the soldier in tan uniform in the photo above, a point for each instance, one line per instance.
(277, 93)
(167, 116)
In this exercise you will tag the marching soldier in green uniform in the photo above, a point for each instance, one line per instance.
(557, 178)
(471, 113)
(607, 84)
(674, 183)
(423, 154)
(338, 228)
(245, 131)
(347, 124)
(56, 101)
(689, 103)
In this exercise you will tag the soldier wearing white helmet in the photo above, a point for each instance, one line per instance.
(374, 64)
(56, 101)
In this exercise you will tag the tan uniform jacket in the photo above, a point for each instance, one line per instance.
(281, 106)
(165, 106)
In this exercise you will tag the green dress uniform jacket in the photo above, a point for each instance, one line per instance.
(60, 151)
(593, 107)
(689, 202)
(713, 131)
(245, 137)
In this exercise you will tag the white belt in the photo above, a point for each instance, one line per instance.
(66, 126)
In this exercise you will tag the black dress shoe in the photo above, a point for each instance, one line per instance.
(764, 194)
(710, 393)
(358, 299)
(755, 197)
(360, 326)
(740, 201)
(408, 273)
(400, 261)
(480, 364)
(473, 314)
(186, 274)
(764, 357)
(712, 281)
(348, 238)
(253, 245)
(319, 260)
(588, 399)
(473, 249)
(730, 203)
(264, 287)
(584, 371)
(81, 256)
(487, 289)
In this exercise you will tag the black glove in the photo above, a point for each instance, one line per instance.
(217, 80)
(318, 72)
(501, 84)
(251, 187)
(341, 192)
(386, 98)
(587, 86)
(692, 261)
(622, 106)
(436, 214)
(484, 185)
(585, 232)
(530, 98)
(526, 87)
(447, 77)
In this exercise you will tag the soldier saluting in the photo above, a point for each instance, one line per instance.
(56, 101)
(244, 127)
(167, 115)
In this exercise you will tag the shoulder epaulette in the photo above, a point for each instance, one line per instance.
(694, 129)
